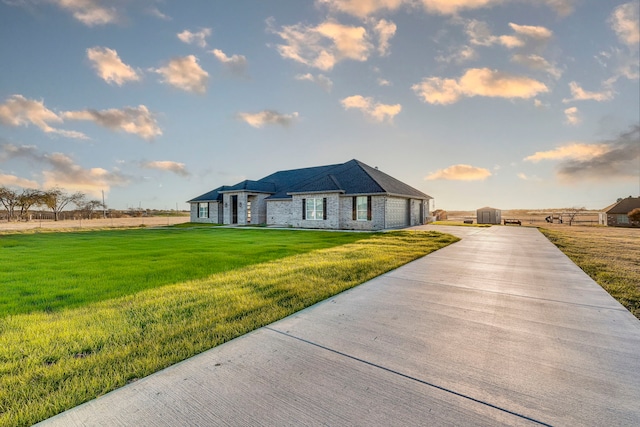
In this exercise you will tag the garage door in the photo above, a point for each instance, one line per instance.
(397, 213)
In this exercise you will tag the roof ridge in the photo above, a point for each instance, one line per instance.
(335, 181)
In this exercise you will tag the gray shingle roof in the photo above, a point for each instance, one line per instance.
(624, 206)
(352, 177)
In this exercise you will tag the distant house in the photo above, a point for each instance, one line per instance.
(488, 215)
(616, 215)
(348, 196)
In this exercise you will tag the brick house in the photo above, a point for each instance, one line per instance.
(616, 215)
(347, 196)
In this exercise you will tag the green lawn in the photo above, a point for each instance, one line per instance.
(56, 356)
(45, 272)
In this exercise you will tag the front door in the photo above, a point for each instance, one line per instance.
(234, 209)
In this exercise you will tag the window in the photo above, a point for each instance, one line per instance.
(623, 219)
(362, 208)
(203, 210)
(313, 209)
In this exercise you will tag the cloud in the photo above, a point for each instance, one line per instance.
(575, 151)
(362, 8)
(235, 63)
(138, 121)
(374, 110)
(166, 165)
(562, 7)
(154, 11)
(624, 20)
(452, 7)
(184, 73)
(608, 160)
(459, 55)
(110, 67)
(320, 79)
(579, 94)
(460, 172)
(526, 37)
(268, 117)
(89, 12)
(20, 111)
(15, 181)
(477, 82)
(324, 45)
(383, 82)
(198, 38)
(64, 172)
(385, 31)
(572, 117)
(537, 62)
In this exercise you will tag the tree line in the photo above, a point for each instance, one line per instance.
(55, 199)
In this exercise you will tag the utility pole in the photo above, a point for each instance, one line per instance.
(104, 207)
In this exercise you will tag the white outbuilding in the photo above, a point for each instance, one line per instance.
(488, 215)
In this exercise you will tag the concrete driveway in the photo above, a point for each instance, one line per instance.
(498, 329)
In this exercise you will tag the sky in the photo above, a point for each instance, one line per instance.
(514, 104)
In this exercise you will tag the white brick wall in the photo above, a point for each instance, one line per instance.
(333, 212)
(377, 214)
(214, 211)
(279, 212)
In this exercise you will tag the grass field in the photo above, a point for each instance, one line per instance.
(123, 314)
(52, 271)
(610, 255)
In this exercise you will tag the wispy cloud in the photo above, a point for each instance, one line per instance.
(237, 64)
(537, 62)
(166, 165)
(199, 38)
(319, 79)
(579, 94)
(268, 117)
(7, 180)
(453, 7)
(184, 73)
(574, 151)
(385, 30)
(134, 120)
(460, 172)
(562, 7)
(154, 11)
(477, 82)
(60, 170)
(89, 12)
(374, 110)
(110, 67)
(360, 8)
(612, 159)
(572, 116)
(324, 45)
(20, 111)
(624, 21)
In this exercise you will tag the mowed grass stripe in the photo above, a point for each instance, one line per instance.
(58, 270)
(52, 361)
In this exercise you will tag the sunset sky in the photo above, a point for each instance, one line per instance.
(502, 103)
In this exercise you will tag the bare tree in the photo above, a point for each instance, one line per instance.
(57, 199)
(28, 198)
(9, 199)
(573, 212)
(88, 207)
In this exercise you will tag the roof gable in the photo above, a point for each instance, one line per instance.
(214, 195)
(624, 206)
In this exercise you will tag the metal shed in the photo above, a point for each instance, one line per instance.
(488, 215)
